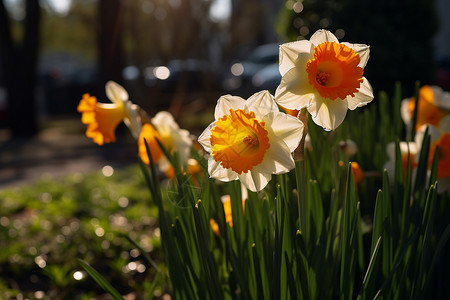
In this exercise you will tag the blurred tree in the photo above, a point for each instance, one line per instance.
(110, 39)
(399, 33)
(18, 64)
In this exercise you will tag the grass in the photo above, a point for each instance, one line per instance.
(48, 225)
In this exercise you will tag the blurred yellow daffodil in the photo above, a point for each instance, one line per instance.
(408, 151)
(226, 202)
(250, 140)
(433, 106)
(103, 118)
(174, 139)
(323, 76)
(440, 137)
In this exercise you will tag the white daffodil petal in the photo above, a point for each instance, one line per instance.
(285, 127)
(362, 50)
(164, 122)
(225, 103)
(441, 98)
(328, 113)
(205, 138)
(321, 36)
(261, 103)
(132, 119)
(405, 112)
(115, 92)
(290, 53)
(164, 164)
(362, 97)
(216, 171)
(277, 160)
(182, 144)
(433, 131)
(255, 181)
(294, 91)
(444, 125)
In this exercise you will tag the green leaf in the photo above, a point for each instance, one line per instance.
(100, 280)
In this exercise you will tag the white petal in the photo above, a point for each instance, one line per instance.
(405, 148)
(277, 159)
(205, 138)
(390, 151)
(225, 103)
(362, 50)
(292, 54)
(164, 164)
(216, 171)
(164, 122)
(321, 36)
(444, 125)
(405, 113)
(132, 119)
(182, 143)
(433, 131)
(261, 103)
(328, 113)
(286, 127)
(362, 97)
(441, 98)
(115, 92)
(294, 91)
(255, 181)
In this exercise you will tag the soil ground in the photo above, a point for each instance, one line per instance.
(59, 149)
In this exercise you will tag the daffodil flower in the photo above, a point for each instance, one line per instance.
(323, 76)
(103, 118)
(439, 137)
(226, 203)
(434, 105)
(250, 140)
(174, 139)
(408, 151)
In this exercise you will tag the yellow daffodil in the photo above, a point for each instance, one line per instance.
(440, 137)
(358, 173)
(250, 140)
(166, 130)
(103, 118)
(226, 202)
(434, 105)
(149, 134)
(323, 76)
(408, 150)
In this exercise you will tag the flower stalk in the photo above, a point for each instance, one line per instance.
(300, 176)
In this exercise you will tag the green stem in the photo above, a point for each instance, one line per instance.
(301, 192)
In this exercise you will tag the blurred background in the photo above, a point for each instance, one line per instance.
(181, 56)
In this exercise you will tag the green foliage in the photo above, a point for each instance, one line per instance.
(46, 226)
(313, 233)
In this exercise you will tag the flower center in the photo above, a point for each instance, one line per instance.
(334, 70)
(322, 78)
(239, 141)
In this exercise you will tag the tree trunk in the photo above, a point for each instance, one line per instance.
(19, 70)
(110, 40)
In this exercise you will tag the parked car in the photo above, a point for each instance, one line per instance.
(195, 73)
(259, 71)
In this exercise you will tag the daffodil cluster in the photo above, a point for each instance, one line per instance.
(250, 139)
(433, 112)
(102, 120)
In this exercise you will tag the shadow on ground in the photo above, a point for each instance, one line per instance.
(59, 149)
